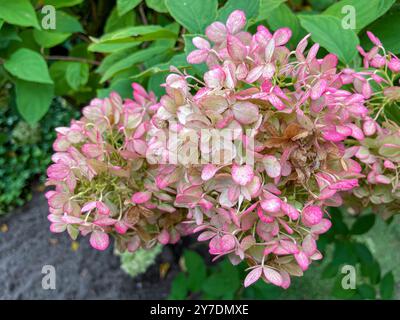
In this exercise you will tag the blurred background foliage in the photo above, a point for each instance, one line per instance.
(96, 47)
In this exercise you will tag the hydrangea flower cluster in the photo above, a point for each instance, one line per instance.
(312, 131)
(103, 184)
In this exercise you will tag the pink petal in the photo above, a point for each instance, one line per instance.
(236, 21)
(99, 240)
(164, 237)
(236, 49)
(272, 166)
(141, 197)
(216, 32)
(273, 276)
(272, 205)
(309, 245)
(321, 227)
(245, 112)
(312, 215)
(215, 77)
(102, 208)
(255, 74)
(253, 276)
(242, 175)
(197, 56)
(282, 36)
(302, 260)
(201, 43)
(89, 206)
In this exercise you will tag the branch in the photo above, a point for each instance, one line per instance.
(77, 59)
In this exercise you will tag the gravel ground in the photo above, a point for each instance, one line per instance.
(81, 273)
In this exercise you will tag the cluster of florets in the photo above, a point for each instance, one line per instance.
(311, 131)
(103, 184)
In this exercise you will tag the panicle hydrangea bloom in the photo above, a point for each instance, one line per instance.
(103, 183)
(313, 131)
(300, 111)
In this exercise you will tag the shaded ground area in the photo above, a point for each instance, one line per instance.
(81, 273)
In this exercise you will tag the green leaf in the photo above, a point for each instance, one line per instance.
(196, 269)
(124, 6)
(371, 271)
(366, 291)
(58, 71)
(33, 99)
(194, 15)
(8, 33)
(330, 271)
(48, 39)
(178, 61)
(115, 22)
(339, 292)
(386, 29)
(320, 5)
(283, 16)
(365, 11)
(386, 286)
(62, 3)
(179, 288)
(328, 32)
(225, 281)
(19, 12)
(111, 59)
(28, 65)
(266, 7)
(250, 8)
(128, 37)
(122, 86)
(392, 111)
(77, 74)
(157, 5)
(363, 224)
(67, 23)
(363, 253)
(131, 60)
(344, 253)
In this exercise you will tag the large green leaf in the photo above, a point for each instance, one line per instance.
(283, 16)
(28, 65)
(365, 11)
(266, 7)
(62, 3)
(196, 269)
(194, 15)
(48, 39)
(179, 288)
(131, 60)
(125, 38)
(363, 224)
(157, 5)
(387, 286)
(115, 22)
(58, 71)
(67, 23)
(77, 74)
(328, 32)
(33, 99)
(125, 6)
(250, 8)
(19, 12)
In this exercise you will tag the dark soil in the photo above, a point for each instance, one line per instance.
(84, 273)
